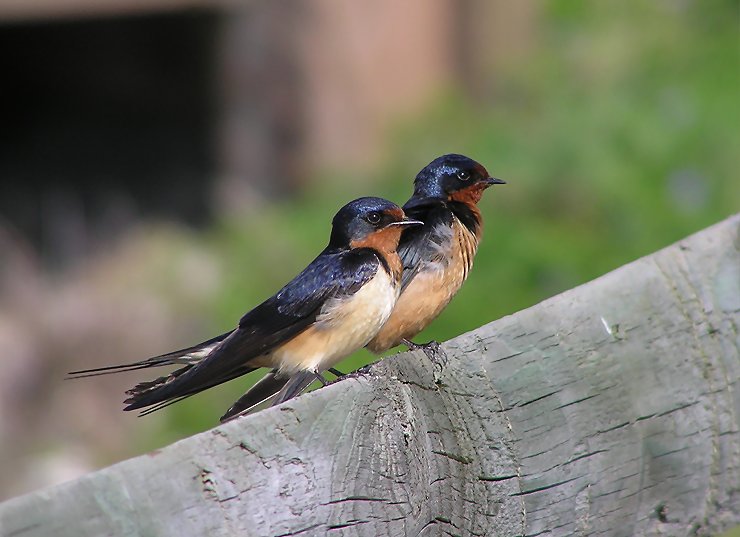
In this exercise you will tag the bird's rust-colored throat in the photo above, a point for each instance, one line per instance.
(384, 240)
(470, 195)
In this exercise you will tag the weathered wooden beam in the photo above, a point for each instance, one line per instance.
(611, 409)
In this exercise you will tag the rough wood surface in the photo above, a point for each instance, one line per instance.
(612, 409)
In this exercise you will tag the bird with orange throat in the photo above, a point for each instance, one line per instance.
(437, 256)
(332, 308)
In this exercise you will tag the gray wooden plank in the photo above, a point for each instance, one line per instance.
(611, 409)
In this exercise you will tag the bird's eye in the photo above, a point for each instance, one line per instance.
(463, 175)
(373, 217)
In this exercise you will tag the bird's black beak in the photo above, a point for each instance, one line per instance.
(407, 222)
(493, 181)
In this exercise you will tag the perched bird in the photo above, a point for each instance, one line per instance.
(332, 308)
(437, 256)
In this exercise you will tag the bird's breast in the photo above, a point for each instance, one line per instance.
(343, 325)
(437, 281)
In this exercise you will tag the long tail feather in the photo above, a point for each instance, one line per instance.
(84, 373)
(191, 355)
(141, 394)
(162, 405)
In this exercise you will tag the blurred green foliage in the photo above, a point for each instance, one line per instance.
(733, 532)
(618, 135)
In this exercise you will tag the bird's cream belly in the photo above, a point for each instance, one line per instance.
(429, 292)
(421, 302)
(343, 326)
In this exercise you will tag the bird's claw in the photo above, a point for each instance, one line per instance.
(434, 352)
(361, 372)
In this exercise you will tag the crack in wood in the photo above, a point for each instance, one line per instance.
(356, 499)
(348, 524)
(549, 449)
(545, 487)
(459, 458)
(496, 477)
(437, 521)
(585, 455)
(581, 400)
(514, 355)
(540, 398)
(610, 429)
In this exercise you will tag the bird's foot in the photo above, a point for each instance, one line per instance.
(434, 352)
(342, 376)
(361, 372)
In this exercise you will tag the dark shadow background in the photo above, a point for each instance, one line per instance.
(105, 121)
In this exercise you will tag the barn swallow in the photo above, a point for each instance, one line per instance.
(332, 308)
(437, 256)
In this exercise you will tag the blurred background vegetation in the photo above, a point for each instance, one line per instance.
(614, 123)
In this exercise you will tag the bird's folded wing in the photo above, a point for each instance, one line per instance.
(277, 320)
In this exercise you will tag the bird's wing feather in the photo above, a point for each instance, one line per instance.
(185, 394)
(263, 390)
(422, 244)
(277, 320)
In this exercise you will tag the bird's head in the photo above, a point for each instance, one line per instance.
(369, 223)
(452, 178)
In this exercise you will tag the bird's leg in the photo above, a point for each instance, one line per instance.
(361, 372)
(433, 351)
(320, 378)
(420, 346)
